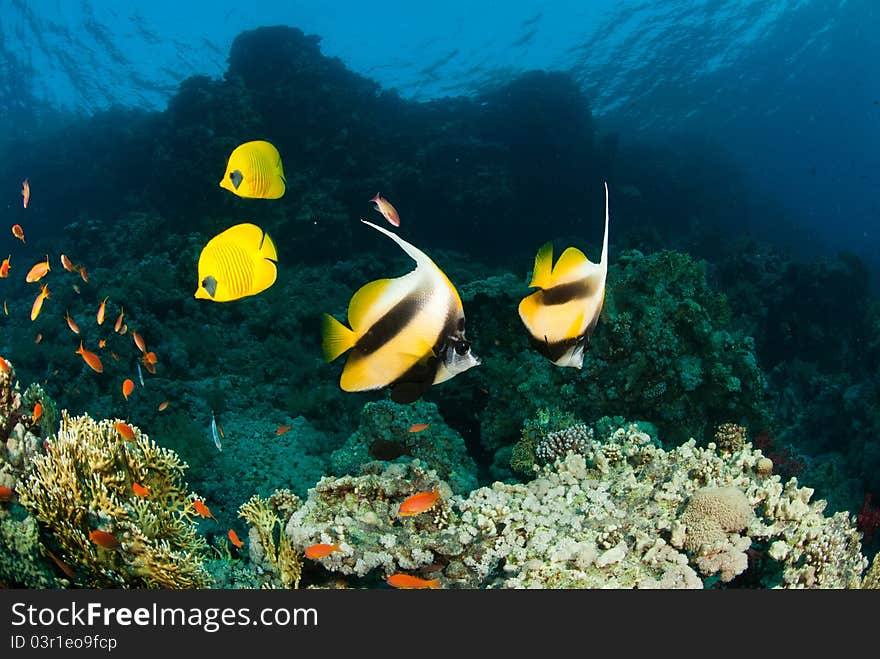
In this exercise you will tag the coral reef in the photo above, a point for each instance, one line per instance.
(278, 562)
(624, 513)
(84, 484)
(383, 434)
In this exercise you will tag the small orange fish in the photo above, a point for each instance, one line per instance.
(61, 564)
(282, 429)
(150, 358)
(66, 264)
(387, 210)
(5, 493)
(38, 338)
(407, 581)
(162, 406)
(419, 503)
(127, 387)
(5, 308)
(321, 550)
(102, 343)
(38, 302)
(38, 271)
(125, 430)
(4, 365)
(140, 490)
(124, 328)
(4, 267)
(83, 274)
(139, 341)
(25, 192)
(115, 356)
(71, 324)
(90, 358)
(220, 430)
(150, 367)
(18, 232)
(234, 539)
(419, 427)
(202, 509)
(38, 411)
(101, 309)
(119, 320)
(103, 539)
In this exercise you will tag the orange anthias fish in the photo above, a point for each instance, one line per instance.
(115, 356)
(419, 427)
(101, 310)
(282, 429)
(71, 324)
(18, 232)
(202, 509)
(419, 503)
(119, 320)
(234, 539)
(90, 358)
(25, 192)
(103, 539)
(38, 271)
(4, 267)
(407, 581)
(66, 264)
(38, 338)
(150, 360)
(140, 490)
(38, 302)
(139, 341)
(127, 387)
(83, 273)
(5, 493)
(321, 550)
(125, 430)
(102, 343)
(388, 211)
(38, 411)
(5, 308)
(4, 365)
(162, 406)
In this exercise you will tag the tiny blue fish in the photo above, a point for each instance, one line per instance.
(140, 374)
(214, 432)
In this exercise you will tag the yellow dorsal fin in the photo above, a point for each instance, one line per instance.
(267, 249)
(570, 266)
(337, 338)
(362, 309)
(543, 265)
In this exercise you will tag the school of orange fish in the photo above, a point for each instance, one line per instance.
(413, 505)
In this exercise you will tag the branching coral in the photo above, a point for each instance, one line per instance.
(267, 518)
(84, 484)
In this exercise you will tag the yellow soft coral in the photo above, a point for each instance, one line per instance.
(266, 518)
(84, 484)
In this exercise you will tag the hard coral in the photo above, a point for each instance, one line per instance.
(84, 483)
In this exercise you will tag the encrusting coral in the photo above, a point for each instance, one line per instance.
(622, 513)
(266, 518)
(84, 484)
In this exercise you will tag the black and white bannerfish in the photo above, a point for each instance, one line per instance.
(406, 333)
(562, 315)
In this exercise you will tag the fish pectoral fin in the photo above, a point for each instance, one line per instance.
(337, 338)
(543, 267)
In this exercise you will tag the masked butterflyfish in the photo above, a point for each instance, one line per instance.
(406, 333)
(236, 263)
(254, 170)
(562, 315)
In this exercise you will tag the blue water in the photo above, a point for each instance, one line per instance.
(789, 89)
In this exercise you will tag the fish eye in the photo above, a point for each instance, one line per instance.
(462, 347)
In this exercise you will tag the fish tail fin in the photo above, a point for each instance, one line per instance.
(541, 274)
(337, 338)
